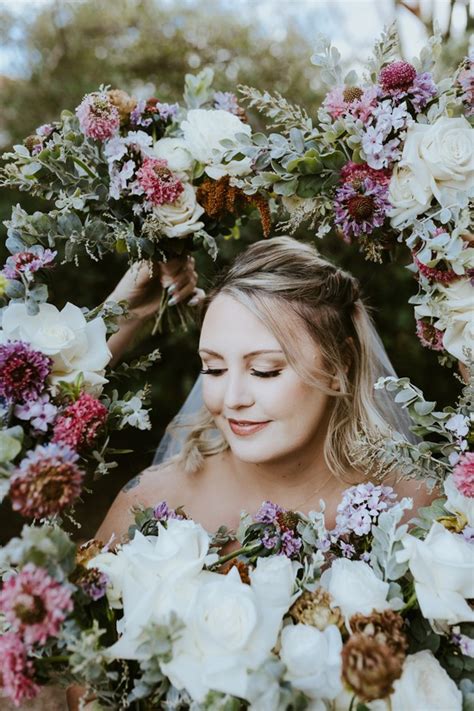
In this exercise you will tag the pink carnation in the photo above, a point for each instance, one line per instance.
(16, 672)
(35, 604)
(158, 182)
(80, 423)
(444, 276)
(463, 474)
(98, 117)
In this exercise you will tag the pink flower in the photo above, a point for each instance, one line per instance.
(98, 117)
(351, 100)
(35, 604)
(46, 482)
(430, 337)
(158, 182)
(358, 171)
(80, 423)
(28, 263)
(463, 475)
(16, 671)
(444, 276)
(397, 75)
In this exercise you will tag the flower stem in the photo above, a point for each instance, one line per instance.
(411, 602)
(253, 547)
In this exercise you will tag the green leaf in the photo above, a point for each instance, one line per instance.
(10, 443)
(286, 187)
(309, 186)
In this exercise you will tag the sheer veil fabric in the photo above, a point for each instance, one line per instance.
(394, 414)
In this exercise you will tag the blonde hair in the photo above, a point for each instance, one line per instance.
(283, 277)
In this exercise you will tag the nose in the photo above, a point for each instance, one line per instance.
(237, 392)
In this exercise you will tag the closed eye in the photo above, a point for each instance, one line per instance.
(257, 373)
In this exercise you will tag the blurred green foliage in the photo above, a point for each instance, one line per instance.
(144, 47)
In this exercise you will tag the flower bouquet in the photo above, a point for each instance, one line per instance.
(56, 419)
(141, 177)
(389, 160)
(369, 615)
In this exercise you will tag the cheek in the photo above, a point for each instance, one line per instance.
(213, 394)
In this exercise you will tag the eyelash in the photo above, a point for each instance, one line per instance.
(259, 373)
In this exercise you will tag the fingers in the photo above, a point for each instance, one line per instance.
(173, 267)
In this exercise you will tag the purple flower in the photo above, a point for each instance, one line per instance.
(269, 539)
(28, 262)
(45, 130)
(290, 544)
(40, 412)
(226, 101)
(422, 91)
(360, 207)
(468, 534)
(360, 507)
(347, 549)
(162, 512)
(136, 116)
(167, 111)
(268, 512)
(465, 643)
(23, 372)
(94, 583)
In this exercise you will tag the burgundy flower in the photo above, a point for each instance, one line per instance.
(360, 207)
(397, 75)
(23, 371)
(430, 337)
(79, 425)
(16, 672)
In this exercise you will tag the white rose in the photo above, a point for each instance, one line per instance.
(354, 587)
(312, 659)
(158, 578)
(203, 130)
(457, 320)
(457, 502)
(230, 631)
(424, 684)
(407, 196)
(74, 344)
(175, 152)
(181, 217)
(274, 579)
(441, 157)
(442, 567)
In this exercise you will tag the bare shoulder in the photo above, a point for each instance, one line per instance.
(418, 491)
(167, 482)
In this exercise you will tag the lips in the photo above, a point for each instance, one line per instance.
(244, 428)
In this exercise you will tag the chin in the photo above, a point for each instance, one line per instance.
(254, 452)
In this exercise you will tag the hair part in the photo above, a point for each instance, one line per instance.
(314, 294)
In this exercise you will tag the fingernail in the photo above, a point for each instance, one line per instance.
(171, 288)
(194, 301)
(173, 301)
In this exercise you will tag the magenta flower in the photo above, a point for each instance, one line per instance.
(23, 371)
(35, 604)
(360, 207)
(397, 76)
(46, 482)
(358, 171)
(158, 182)
(429, 336)
(28, 263)
(16, 674)
(463, 474)
(98, 117)
(443, 276)
(79, 425)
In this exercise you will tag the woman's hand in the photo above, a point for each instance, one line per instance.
(142, 285)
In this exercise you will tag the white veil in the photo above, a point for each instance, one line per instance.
(394, 414)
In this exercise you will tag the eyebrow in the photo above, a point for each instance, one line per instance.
(247, 355)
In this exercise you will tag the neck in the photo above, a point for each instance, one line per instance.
(289, 480)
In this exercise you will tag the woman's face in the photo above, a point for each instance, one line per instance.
(259, 402)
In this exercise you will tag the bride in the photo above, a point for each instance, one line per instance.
(289, 359)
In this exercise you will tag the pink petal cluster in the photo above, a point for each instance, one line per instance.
(23, 371)
(16, 671)
(80, 423)
(429, 336)
(358, 171)
(158, 182)
(463, 474)
(47, 481)
(98, 117)
(466, 80)
(443, 276)
(345, 100)
(35, 604)
(27, 262)
(397, 75)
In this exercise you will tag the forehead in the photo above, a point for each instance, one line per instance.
(231, 327)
